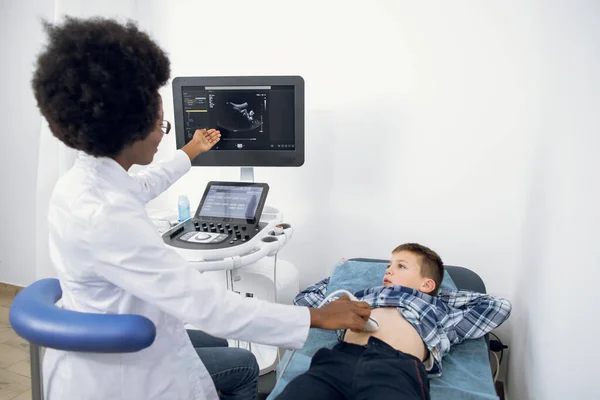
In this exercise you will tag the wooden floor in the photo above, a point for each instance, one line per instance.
(15, 383)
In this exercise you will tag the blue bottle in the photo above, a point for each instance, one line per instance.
(183, 206)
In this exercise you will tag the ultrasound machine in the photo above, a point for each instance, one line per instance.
(234, 236)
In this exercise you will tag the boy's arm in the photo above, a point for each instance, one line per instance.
(478, 313)
(313, 295)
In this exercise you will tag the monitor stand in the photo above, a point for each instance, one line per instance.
(247, 174)
(267, 357)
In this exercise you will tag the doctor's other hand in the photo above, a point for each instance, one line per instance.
(202, 141)
(341, 314)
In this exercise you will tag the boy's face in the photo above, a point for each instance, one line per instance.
(404, 269)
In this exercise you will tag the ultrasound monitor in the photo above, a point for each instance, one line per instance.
(261, 118)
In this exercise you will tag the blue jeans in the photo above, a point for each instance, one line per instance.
(350, 371)
(234, 371)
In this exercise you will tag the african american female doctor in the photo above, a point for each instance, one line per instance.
(96, 83)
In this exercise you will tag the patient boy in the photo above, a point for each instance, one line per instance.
(418, 322)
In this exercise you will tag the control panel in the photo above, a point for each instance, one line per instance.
(228, 215)
(198, 234)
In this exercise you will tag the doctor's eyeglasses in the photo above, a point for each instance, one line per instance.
(165, 127)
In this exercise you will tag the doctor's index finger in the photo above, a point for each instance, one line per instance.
(212, 133)
(361, 310)
(362, 304)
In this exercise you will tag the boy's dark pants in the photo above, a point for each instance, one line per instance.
(350, 371)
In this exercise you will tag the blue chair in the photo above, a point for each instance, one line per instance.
(35, 317)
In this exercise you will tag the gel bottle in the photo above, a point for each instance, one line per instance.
(183, 206)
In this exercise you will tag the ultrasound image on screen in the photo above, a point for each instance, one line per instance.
(239, 112)
(231, 202)
(249, 118)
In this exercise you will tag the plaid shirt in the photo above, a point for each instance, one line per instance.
(443, 320)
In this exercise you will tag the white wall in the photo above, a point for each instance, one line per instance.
(437, 123)
(556, 322)
(20, 40)
(420, 124)
(412, 119)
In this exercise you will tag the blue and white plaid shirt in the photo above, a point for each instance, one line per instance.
(443, 320)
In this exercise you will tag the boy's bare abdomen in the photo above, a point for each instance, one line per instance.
(394, 330)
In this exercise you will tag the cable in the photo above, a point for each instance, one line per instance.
(285, 367)
(335, 293)
(499, 347)
(497, 367)
(275, 293)
(229, 278)
(275, 276)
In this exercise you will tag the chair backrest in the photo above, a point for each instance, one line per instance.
(35, 317)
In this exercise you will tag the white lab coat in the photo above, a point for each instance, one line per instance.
(110, 259)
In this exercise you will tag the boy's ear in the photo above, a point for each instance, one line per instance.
(428, 285)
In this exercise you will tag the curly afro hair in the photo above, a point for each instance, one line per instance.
(97, 82)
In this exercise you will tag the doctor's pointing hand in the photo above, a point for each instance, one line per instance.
(203, 140)
(96, 83)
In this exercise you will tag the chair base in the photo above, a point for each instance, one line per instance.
(37, 384)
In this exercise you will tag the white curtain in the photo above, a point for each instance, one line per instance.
(54, 158)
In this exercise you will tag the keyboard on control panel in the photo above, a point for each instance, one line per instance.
(216, 232)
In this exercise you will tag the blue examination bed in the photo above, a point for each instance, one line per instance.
(467, 372)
